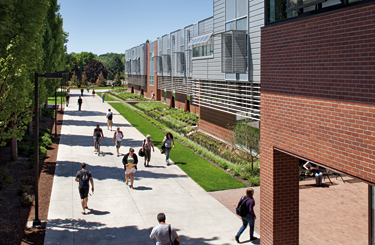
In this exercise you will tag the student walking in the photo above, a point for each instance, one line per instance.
(84, 176)
(146, 148)
(109, 117)
(80, 101)
(130, 161)
(249, 217)
(88, 89)
(152, 96)
(118, 136)
(93, 93)
(67, 97)
(317, 173)
(81, 91)
(165, 234)
(103, 96)
(168, 141)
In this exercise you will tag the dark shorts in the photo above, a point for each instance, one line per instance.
(83, 192)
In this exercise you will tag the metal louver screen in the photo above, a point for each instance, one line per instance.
(180, 62)
(128, 67)
(159, 65)
(139, 66)
(233, 55)
(134, 67)
(166, 64)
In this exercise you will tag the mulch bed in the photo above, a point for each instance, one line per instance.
(14, 220)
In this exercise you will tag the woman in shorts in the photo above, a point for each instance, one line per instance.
(130, 161)
(146, 148)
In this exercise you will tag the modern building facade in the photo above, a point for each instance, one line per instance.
(211, 67)
(318, 103)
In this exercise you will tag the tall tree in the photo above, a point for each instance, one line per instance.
(114, 63)
(117, 81)
(101, 81)
(83, 59)
(93, 69)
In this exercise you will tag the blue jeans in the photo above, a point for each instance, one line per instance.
(79, 106)
(248, 219)
(167, 150)
(67, 103)
(103, 99)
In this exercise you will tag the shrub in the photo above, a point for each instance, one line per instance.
(254, 180)
(26, 200)
(42, 152)
(45, 140)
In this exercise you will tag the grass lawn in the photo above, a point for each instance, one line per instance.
(109, 97)
(99, 88)
(51, 99)
(208, 176)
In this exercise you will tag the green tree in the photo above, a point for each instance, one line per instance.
(74, 80)
(117, 81)
(115, 63)
(84, 81)
(21, 53)
(101, 80)
(83, 59)
(244, 141)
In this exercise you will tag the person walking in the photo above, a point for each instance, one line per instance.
(146, 148)
(97, 135)
(88, 89)
(317, 173)
(103, 96)
(250, 216)
(152, 96)
(165, 234)
(130, 161)
(80, 101)
(84, 176)
(93, 93)
(168, 141)
(112, 86)
(118, 136)
(109, 117)
(81, 91)
(67, 97)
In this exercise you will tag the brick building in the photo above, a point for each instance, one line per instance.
(318, 105)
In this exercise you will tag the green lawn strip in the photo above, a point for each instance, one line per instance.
(99, 88)
(208, 176)
(51, 99)
(109, 97)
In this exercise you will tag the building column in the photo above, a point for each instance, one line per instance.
(279, 198)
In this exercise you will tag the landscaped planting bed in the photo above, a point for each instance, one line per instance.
(124, 95)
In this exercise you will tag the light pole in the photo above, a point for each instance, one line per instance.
(56, 75)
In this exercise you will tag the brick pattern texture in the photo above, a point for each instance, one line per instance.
(318, 97)
(215, 122)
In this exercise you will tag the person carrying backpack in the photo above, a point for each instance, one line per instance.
(109, 117)
(84, 178)
(245, 209)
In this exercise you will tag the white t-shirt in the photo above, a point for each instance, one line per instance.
(109, 113)
(161, 234)
(118, 136)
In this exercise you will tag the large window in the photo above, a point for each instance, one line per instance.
(236, 15)
(151, 80)
(204, 50)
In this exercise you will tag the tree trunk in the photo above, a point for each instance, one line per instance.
(13, 143)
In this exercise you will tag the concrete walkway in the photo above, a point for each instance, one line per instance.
(118, 214)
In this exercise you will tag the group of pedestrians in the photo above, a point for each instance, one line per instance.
(163, 233)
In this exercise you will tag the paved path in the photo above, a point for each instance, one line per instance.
(336, 214)
(119, 215)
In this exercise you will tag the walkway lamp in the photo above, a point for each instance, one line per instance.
(56, 75)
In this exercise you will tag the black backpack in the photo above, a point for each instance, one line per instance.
(242, 209)
(84, 181)
(110, 116)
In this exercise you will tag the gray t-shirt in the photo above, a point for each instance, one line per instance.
(168, 142)
(161, 234)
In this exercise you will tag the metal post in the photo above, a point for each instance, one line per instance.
(36, 221)
(56, 112)
(61, 95)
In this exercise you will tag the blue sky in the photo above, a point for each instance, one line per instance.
(116, 25)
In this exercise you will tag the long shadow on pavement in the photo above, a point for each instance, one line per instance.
(86, 123)
(86, 232)
(69, 169)
(85, 140)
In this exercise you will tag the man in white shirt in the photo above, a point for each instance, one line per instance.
(161, 232)
(118, 137)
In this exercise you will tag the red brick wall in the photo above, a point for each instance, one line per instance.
(215, 122)
(318, 97)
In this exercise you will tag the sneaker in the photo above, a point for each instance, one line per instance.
(253, 238)
(127, 182)
(237, 239)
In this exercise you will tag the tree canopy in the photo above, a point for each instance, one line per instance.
(83, 59)
(115, 63)
(94, 68)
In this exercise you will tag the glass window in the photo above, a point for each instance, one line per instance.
(182, 49)
(230, 26)
(201, 51)
(242, 24)
(151, 80)
(195, 30)
(168, 41)
(182, 33)
(241, 8)
(230, 10)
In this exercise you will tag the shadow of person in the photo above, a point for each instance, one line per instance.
(97, 212)
(257, 241)
(142, 188)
